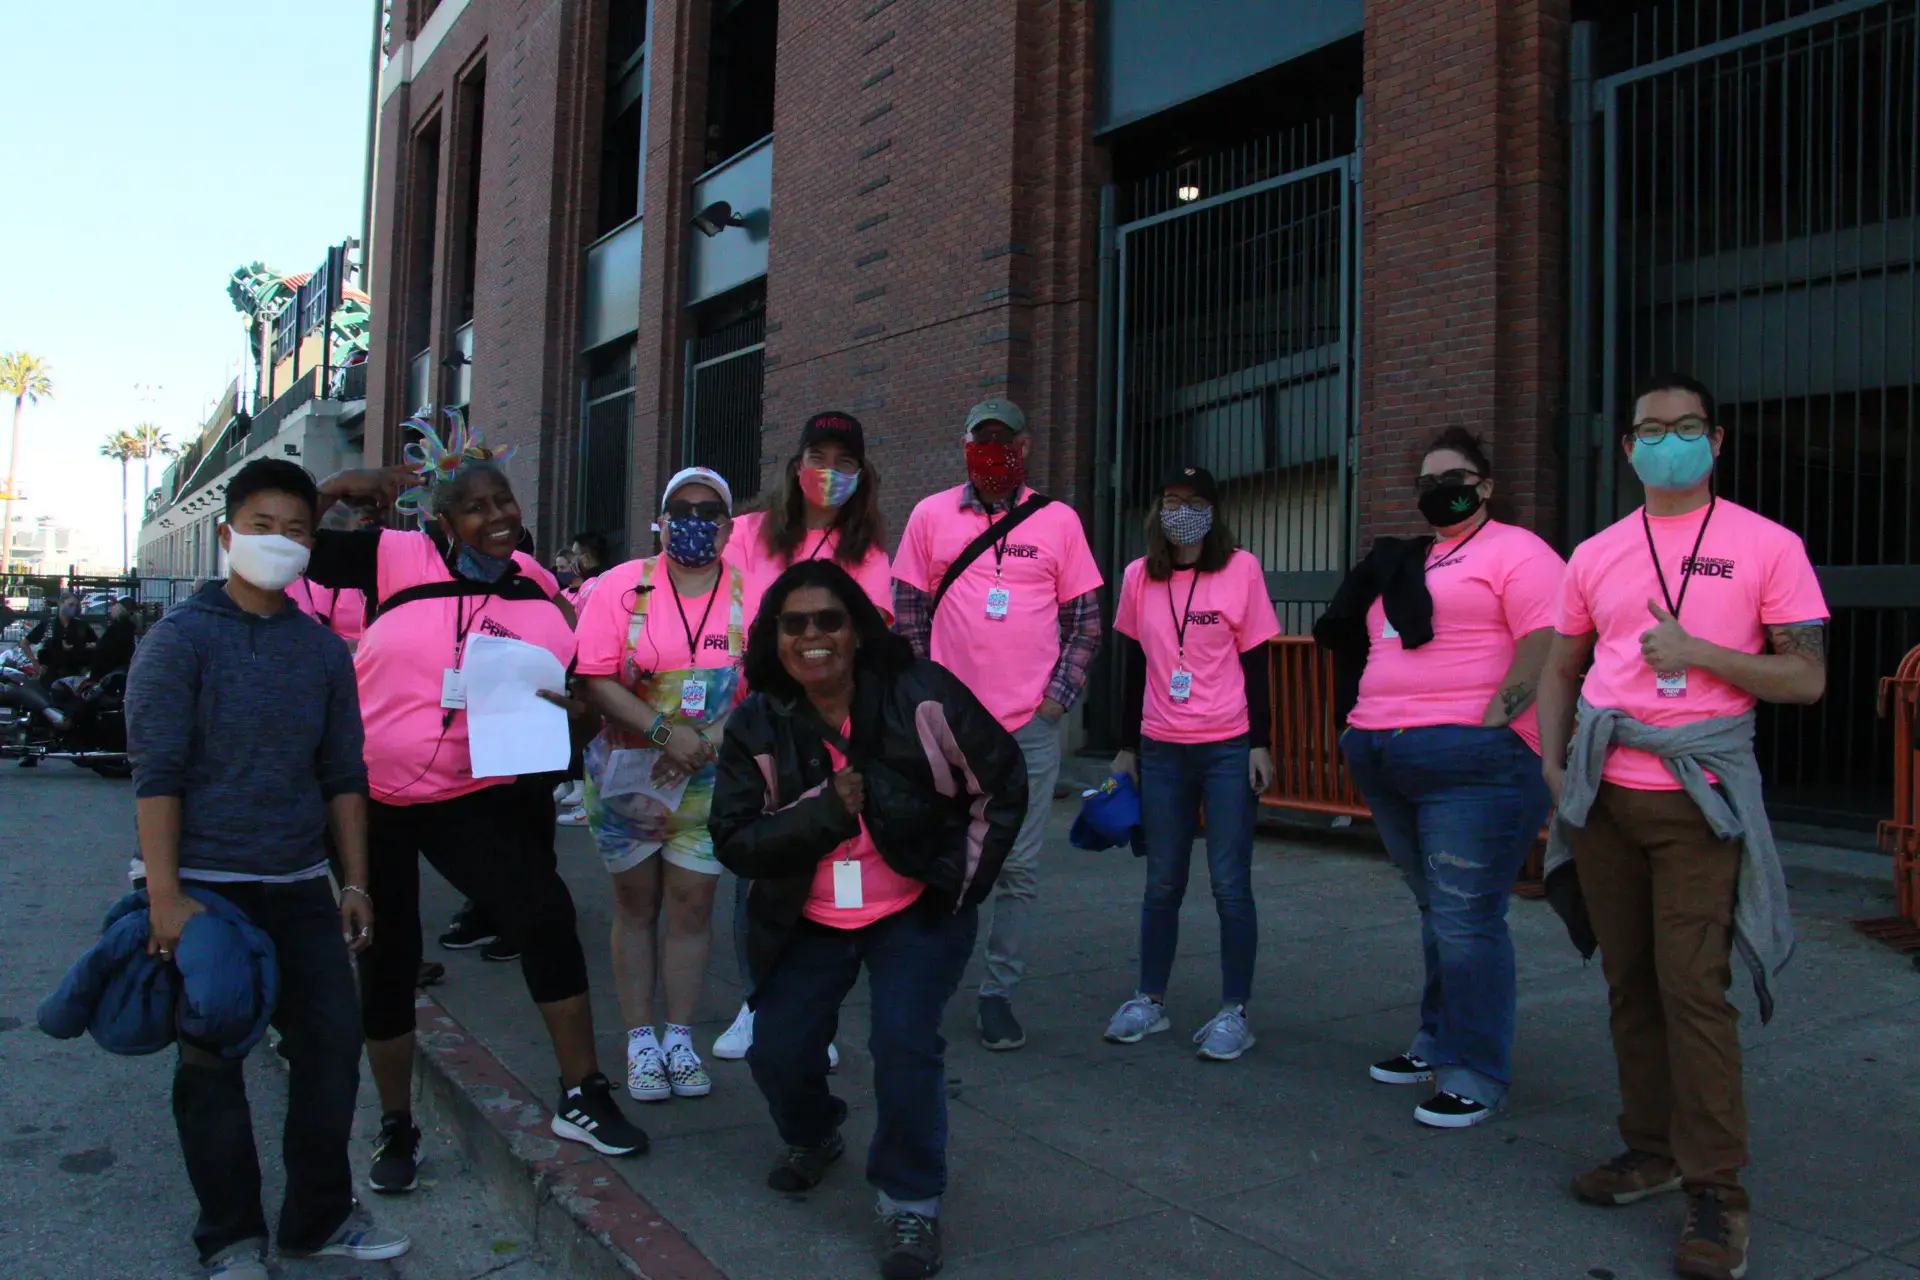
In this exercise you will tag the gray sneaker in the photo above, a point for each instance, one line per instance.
(243, 1261)
(1227, 1036)
(1137, 1019)
(358, 1238)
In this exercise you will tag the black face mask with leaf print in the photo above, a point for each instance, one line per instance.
(1449, 504)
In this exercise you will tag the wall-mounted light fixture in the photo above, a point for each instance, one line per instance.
(715, 218)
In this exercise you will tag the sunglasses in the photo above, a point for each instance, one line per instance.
(714, 511)
(825, 621)
(1427, 484)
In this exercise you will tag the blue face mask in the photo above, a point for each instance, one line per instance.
(478, 566)
(1673, 464)
(692, 541)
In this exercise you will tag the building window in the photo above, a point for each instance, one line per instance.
(423, 212)
(740, 76)
(623, 137)
(602, 504)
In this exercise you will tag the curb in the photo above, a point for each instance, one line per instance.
(582, 1213)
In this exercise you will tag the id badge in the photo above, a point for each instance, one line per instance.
(453, 689)
(1387, 631)
(1180, 686)
(1670, 684)
(693, 698)
(998, 598)
(847, 895)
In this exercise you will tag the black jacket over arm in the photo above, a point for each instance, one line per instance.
(946, 789)
(1395, 573)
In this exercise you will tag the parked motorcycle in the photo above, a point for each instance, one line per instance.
(36, 723)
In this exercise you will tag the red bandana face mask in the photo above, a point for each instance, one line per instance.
(995, 469)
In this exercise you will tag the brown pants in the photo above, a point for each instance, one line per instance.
(1659, 888)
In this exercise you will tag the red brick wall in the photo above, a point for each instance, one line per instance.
(934, 231)
(1463, 215)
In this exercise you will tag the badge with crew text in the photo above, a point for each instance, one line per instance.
(1670, 684)
(998, 598)
(693, 698)
(1180, 686)
(453, 689)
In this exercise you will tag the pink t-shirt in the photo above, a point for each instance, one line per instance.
(1227, 613)
(883, 891)
(874, 573)
(663, 642)
(1046, 562)
(1750, 574)
(417, 753)
(1487, 594)
(343, 612)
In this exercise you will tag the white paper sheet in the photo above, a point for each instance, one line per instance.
(511, 729)
(631, 773)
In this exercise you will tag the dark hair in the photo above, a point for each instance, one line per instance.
(1673, 382)
(859, 521)
(448, 489)
(1215, 549)
(272, 475)
(880, 651)
(1463, 442)
(595, 545)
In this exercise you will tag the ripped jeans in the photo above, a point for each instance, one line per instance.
(1458, 806)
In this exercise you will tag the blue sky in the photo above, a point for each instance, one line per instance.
(154, 148)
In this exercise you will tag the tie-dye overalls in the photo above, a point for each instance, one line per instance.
(629, 828)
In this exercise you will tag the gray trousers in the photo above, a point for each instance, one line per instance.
(1019, 881)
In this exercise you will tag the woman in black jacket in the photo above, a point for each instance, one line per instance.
(871, 801)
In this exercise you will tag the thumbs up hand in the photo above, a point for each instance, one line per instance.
(1666, 645)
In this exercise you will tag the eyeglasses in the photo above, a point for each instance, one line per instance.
(714, 511)
(1459, 475)
(1173, 502)
(1653, 430)
(826, 621)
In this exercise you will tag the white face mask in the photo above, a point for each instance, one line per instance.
(266, 560)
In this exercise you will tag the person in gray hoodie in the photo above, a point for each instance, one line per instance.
(243, 723)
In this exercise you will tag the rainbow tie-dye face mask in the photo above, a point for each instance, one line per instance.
(826, 487)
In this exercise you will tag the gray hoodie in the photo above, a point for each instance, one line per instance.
(254, 723)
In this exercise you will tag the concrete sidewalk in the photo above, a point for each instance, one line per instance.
(1077, 1158)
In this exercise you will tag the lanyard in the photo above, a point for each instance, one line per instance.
(1183, 619)
(1000, 543)
(693, 640)
(824, 535)
(1462, 547)
(1686, 579)
(463, 621)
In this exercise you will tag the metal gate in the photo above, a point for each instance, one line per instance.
(1746, 207)
(1232, 347)
(726, 373)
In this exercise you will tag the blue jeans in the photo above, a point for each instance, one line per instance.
(914, 960)
(1458, 807)
(1176, 778)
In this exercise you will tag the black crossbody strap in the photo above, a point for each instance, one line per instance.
(975, 549)
(512, 587)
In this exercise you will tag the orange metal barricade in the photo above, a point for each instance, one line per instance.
(1900, 834)
(1309, 769)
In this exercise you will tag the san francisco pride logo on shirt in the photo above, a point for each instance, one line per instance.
(1707, 567)
(1020, 551)
(1204, 618)
(488, 627)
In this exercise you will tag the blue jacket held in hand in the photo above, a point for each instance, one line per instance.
(218, 993)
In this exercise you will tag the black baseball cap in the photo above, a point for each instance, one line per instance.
(1198, 479)
(837, 426)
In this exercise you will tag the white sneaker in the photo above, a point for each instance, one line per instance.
(833, 1056)
(734, 1042)
(569, 795)
(574, 817)
(685, 1072)
(647, 1074)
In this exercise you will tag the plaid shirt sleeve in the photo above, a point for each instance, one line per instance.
(1079, 642)
(913, 616)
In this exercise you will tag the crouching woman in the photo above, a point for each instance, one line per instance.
(871, 800)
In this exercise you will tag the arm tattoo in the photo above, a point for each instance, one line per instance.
(1516, 698)
(1803, 640)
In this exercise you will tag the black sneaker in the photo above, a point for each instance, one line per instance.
(589, 1114)
(396, 1155)
(500, 949)
(468, 929)
(909, 1246)
(1405, 1069)
(999, 1029)
(802, 1168)
(1451, 1111)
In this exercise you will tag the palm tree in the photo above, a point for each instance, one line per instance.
(123, 447)
(149, 441)
(27, 378)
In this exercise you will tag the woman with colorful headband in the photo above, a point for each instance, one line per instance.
(661, 644)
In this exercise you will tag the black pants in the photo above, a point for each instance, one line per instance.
(496, 847)
(321, 1042)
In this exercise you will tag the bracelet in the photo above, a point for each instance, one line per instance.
(346, 889)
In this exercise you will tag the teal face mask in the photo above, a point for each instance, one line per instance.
(1673, 464)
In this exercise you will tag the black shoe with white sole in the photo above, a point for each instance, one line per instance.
(589, 1114)
(1405, 1069)
(1451, 1111)
(999, 1029)
(468, 929)
(802, 1168)
(396, 1155)
(500, 949)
